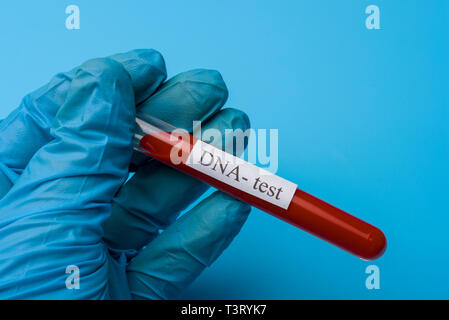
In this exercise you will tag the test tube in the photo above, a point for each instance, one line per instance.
(257, 187)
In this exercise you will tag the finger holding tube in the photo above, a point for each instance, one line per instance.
(154, 197)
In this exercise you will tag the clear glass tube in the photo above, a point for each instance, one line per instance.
(158, 140)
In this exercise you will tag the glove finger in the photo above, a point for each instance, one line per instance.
(55, 211)
(156, 194)
(175, 258)
(27, 129)
(189, 96)
(146, 67)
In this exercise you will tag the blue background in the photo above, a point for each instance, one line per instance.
(362, 114)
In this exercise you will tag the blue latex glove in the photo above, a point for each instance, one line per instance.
(64, 158)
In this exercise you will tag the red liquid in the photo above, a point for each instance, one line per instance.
(305, 211)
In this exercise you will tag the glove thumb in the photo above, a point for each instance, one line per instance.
(59, 203)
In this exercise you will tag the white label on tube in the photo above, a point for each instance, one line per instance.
(241, 174)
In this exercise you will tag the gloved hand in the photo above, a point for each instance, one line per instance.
(64, 159)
